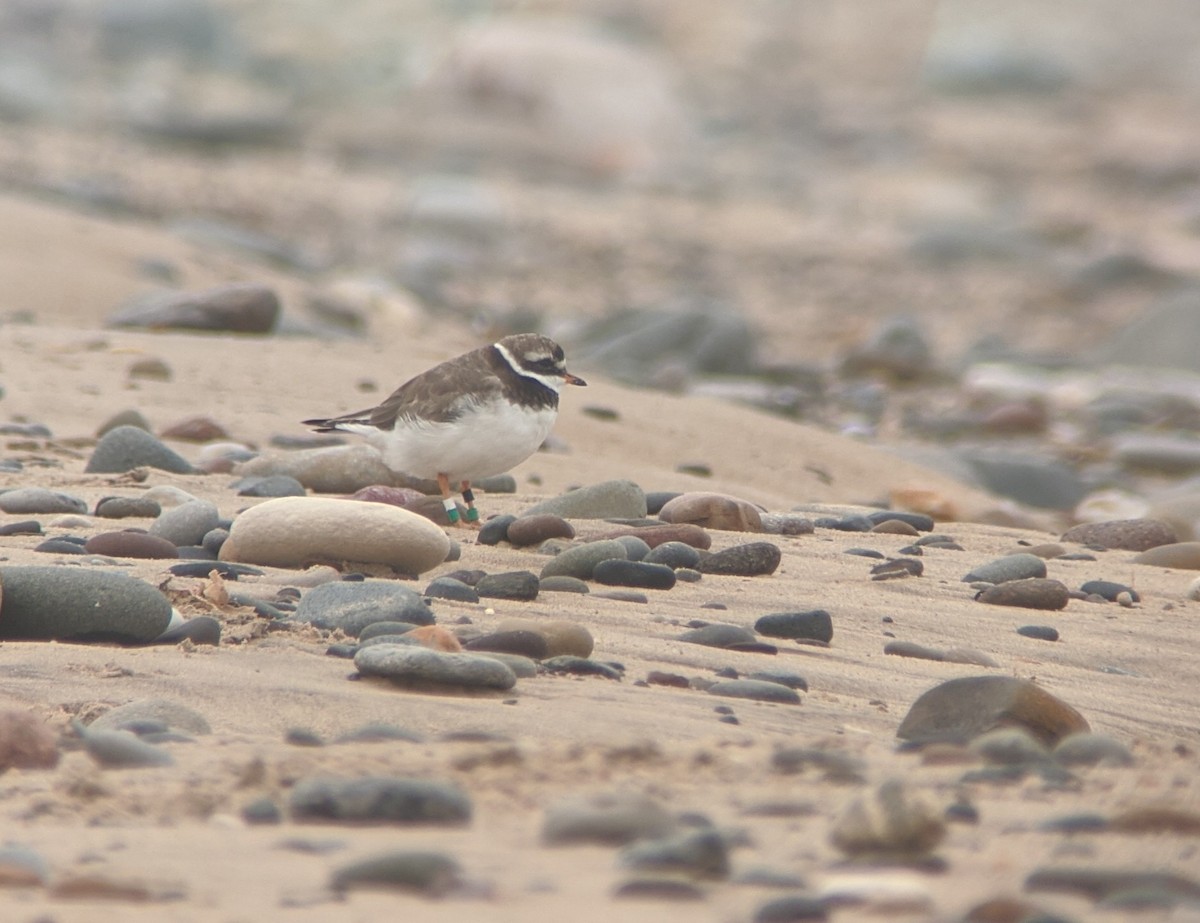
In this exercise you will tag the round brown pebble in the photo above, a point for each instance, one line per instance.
(688, 533)
(1031, 593)
(130, 545)
(532, 530)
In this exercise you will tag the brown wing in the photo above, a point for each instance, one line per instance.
(439, 394)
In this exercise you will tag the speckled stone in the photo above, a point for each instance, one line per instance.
(1123, 534)
(1033, 593)
(753, 559)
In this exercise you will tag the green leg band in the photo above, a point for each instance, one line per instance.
(472, 514)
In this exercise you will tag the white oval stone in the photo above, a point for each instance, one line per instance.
(296, 531)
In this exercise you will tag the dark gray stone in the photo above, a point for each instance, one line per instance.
(237, 308)
(188, 523)
(674, 555)
(1042, 482)
(127, 447)
(814, 625)
(431, 874)
(617, 572)
(517, 584)
(419, 666)
(752, 559)
(718, 635)
(380, 800)
(39, 500)
(580, 560)
(1010, 567)
(352, 606)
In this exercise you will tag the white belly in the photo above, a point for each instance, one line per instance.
(477, 445)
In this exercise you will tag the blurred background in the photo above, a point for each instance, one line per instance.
(758, 193)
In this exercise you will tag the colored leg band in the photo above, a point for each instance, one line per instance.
(468, 495)
(472, 514)
(451, 509)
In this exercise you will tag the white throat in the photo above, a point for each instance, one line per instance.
(553, 382)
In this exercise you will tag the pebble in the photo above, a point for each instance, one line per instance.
(1089, 749)
(1011, 567)
(410, 665)
(1009, 746)
(130, 544)
(196, 429)
(380, 629)
(1098, 883)
(271, 485)
(296, 531)
(712, 511)
(352, 606)
(1031, 593)
(24, 527)
(892, 820)
(618, 572)
(517, 584)
(756, 689)
(561, 636)
(121, 749)
(618, 499)
(897, 569)
(1180, 555)
(340, 469)
(533, 530)
(894, 527)
(379, 733)
(562, 584)
(380, 800)
(673, 555)
(791, 680)
(787, 524)
(262, 811)
(686, 533)
(813, 625)
(128, 508)
(449, 588)
(204, 568)
(959, 710)
(794, 908)
(526, 643)
(914, 650)
(693, 853)
(60, 603)
(718, 635)
(1045, 483)
(243, 307)
(1039, 632)
(635, 548)
(39, 500)
(580, 561)
(658, 889)
(750, 560)
(495, 530)
(26, 742)
(127, 447)
(432, 874)
(129, 417)
(920, 522)
(1123, 534)
(606, 819)
(61, 545)
(835, 765)
(581, 666)
(188, 523)
(1109, 590)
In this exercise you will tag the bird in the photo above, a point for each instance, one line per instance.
(470, 417)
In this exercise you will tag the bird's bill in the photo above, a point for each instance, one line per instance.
(573, 379)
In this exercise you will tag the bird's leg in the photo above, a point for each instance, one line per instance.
(447, 501)
(469, 497)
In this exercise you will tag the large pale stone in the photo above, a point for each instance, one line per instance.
(712, 511)
(296, 531)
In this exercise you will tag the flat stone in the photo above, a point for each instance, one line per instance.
(529, 644)
(718, 635)
(128, 508)
(128, 447)
(814, 625)
(794, 908)
(756, 689)
(959, 710)
(380, 800)
(1180, 556)
(606, 819)
(352, 606)
(1039, 632)
(1123, 534)
(342, 469)
(685, 533)
(562, 584)
(72, 604)
(582, 666)
(430, 874)
(1090, 749)
(1010, 567)
(617, 572)
(298, 531)
(914, 650)
(1033, 593)
(712, 511)
(130, 544)
(533, 530)
(1097, 883)
(172, 714)
(449, 588)
(791, 680)
(23, 527)
(419, 666)
(121, 749)
(39, 500)
(893, 820)
(517, 584)
(272, 485)
(244, 307)
(200, 629)
(750, 560)
(834, 765)
(1009, 746)
(616, 499)
(701, 854)
(580, 560)
(919, 522)
(1110, 590)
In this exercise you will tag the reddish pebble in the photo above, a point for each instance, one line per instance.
(130, 544)
(195, 429)
(532, 530)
